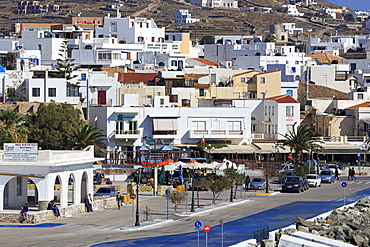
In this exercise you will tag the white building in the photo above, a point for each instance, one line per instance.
(215, 3)
(290, 28)
(43, 169)
(292, 10)
(183, 16)
(331, 12)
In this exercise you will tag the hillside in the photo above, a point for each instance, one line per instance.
(212, 21)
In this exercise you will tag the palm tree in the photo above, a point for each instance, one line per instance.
(12, 123)
(302, 139)
(83, 136)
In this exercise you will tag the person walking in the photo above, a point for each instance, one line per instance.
(336, 173)
(349, 173)
(353, 174)
(86, 202)
(91, 203)
(119, 199)
(246, 182)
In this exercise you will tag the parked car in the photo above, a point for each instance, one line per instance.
(293, 183)
(327, 176)
(305, 183)
(106, 191)
(332, 167)
(314, 180)
(258, 184)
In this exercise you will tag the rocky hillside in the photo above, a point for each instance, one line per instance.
(212, 21)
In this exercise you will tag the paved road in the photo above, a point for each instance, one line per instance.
(241, 220)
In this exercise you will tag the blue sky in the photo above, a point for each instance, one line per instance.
(353, 4)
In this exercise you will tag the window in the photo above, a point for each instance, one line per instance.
(72, 90)
(360, 96)
(289, 111)
(161, 102)
(254, 128)
(213, 78)
(149, 100)
(262, 95)
(234, 125)
(174, 98)
(35, 92)
(198, 125)
(289, 128)
(242, 80)
(265, 110)
(126, 127)
(173, 63)
(263, 80)
(201, 92)
(289, 92)
(273, 110)
(19, 186)
(52, 92)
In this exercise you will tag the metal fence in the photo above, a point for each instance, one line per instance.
(262, 234)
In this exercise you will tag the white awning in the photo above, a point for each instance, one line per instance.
(165, 124)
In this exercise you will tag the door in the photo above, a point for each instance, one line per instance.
(6, 195)
(102, 98)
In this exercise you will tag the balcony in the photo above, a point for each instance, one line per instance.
(127, 134)
(216, 134)
(97, 102)
(164, 134)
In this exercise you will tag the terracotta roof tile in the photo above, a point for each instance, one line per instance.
(283, 99)
(325, 58)
(365, 104)
(206, 62)
(136, 77)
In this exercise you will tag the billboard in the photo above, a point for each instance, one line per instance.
(20, 151)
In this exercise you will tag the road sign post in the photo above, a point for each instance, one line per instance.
(222, 232)
(344, 185)
(207, 229)
(168, 192)
(133, 197)
(198, 225)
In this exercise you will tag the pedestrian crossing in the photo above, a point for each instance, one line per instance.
(358, 182)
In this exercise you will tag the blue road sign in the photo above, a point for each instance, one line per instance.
(344, 184)
(358, 154)
(198, 224)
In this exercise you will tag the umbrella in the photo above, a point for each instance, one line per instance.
(165, 148)
(181, 179)
(142, 148)
(162, 177)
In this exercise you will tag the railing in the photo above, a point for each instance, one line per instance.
(342, 139)
(215, 133)
(97, 102)
(258, 136)
(127, 132)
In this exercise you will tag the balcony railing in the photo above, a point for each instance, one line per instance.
(216, 133)
(342, 139)
(97, 102)
(126, 134)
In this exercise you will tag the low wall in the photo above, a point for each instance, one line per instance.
(35, 217)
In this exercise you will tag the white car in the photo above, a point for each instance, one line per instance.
(314, 180)
(332, 167)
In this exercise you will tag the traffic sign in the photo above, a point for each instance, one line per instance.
(198, 224)
(344, 184)
(207, 228)
(133, 196)
(358, 154)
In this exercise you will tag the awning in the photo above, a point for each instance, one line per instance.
(242, 149)
(270, 147)
(366, 120)
(165, 124)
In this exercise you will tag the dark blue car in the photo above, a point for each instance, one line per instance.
(106, 191)
(293, 183)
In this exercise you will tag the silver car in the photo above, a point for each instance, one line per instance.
(258, 184)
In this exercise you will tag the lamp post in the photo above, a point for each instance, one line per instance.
(137, 223)
(192, 192)
(155, 166)
(267, 174)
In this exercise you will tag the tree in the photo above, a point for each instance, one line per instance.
(4, 138)
(217, 185)
(270, 38)
(12, 123)
(200, 184)
(177, 197)
(83, 136)
(302, 139)
(65, 65)
(50, 124)
(208, 39)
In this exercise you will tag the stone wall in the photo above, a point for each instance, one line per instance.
(35, 217)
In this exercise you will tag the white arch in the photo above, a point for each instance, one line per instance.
(3, 181)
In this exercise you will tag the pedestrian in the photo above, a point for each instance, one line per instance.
(336, 173)
(119, 199)
(55, 208)
(353, 174)
(246, 182)
(24, 213)
(349, 173)
(86, 202)
(91, 203)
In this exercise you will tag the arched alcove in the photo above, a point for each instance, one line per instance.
(84, 185)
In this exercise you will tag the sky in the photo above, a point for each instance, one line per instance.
(353, 4)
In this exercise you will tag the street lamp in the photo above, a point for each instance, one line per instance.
(137, 223)
(267, 174)
(192, 192)
(155, 166)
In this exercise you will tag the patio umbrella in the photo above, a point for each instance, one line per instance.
(181, 178)
(165, 148)
(142, 148)
(162, 177)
